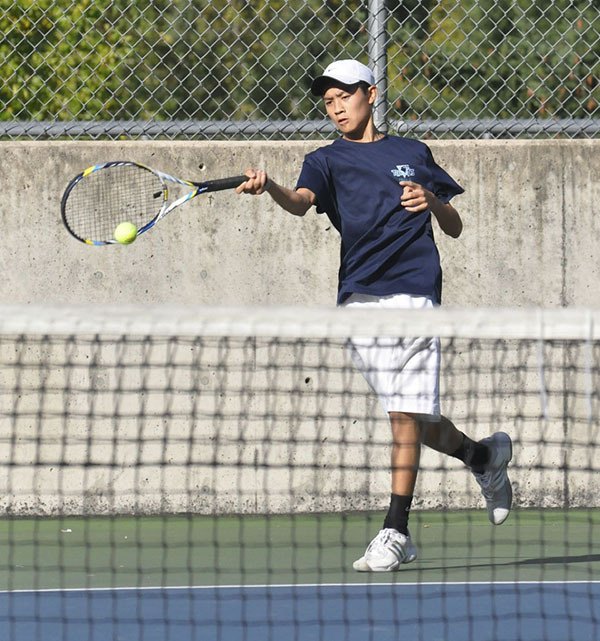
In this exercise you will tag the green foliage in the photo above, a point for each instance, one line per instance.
(61, 59)
(113, 59)
(496, 59)
(253, 59)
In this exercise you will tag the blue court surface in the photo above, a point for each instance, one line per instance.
(511, 611)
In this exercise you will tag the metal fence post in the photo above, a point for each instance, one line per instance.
(377, 47)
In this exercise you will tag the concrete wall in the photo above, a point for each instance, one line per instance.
(530, 239)
(530, 236)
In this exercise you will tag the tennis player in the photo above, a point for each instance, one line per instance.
(381, 193)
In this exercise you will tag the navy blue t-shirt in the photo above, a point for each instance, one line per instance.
(385, 249)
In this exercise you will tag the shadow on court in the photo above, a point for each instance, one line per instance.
(559, 560)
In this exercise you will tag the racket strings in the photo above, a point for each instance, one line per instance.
(110, 196)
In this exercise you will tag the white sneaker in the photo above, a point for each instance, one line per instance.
(387, 552)
(494, 482)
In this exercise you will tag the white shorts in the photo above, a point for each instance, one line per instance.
(403, 372)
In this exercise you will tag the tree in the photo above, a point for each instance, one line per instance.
(253, 59)
(61, 59)
(496, 59)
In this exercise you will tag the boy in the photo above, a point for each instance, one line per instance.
(381, 192)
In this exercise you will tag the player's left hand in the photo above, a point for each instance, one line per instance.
(415, 198)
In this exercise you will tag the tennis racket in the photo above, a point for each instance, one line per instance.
(102, 197)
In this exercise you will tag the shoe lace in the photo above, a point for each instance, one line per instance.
(381, 541)
(489, 480)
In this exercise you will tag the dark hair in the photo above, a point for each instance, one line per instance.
(349, 88)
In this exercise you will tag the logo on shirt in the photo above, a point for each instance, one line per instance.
(403, 172)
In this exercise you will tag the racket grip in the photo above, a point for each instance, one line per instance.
(223, 183)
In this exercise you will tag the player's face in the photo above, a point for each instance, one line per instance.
(350, 111)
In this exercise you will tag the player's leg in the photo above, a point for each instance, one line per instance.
(393, 547)
(405, 375)
(405, 456)
(488, 460)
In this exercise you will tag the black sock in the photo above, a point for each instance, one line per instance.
(472, 454)
(397, 516)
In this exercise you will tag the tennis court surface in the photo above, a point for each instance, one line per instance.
(212, 474)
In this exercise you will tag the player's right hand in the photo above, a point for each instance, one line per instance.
(256, 183)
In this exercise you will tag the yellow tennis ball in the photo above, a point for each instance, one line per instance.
(125, 233)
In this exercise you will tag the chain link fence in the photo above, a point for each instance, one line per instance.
(241, 69)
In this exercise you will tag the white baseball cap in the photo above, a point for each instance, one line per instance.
(347, 72)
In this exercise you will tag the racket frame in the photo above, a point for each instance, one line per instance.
(196, 188)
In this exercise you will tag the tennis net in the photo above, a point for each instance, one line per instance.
(208, 473)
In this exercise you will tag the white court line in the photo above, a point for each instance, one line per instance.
(299, 585)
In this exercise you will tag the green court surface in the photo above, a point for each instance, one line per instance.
(100, 552)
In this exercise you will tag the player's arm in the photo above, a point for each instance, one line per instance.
(296, 202)
(416, 199)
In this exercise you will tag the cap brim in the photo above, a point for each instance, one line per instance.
(321, 83)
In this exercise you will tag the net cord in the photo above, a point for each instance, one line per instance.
(298, 322)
